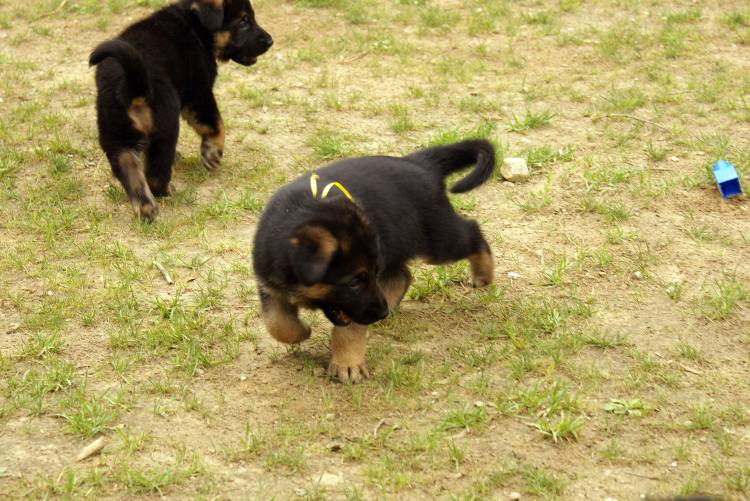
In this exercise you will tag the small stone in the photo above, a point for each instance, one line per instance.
(300, 491)
(329, 480)
(513, 275)
(638, 275)
(674, 464)
(243, 377)
(13, 328)
(479, 404)
(674, 159)
(515, 495)
(515, 169)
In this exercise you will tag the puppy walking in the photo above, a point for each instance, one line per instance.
(340, 240)
(157, 69)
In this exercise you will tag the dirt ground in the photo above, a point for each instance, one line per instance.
(610, 359)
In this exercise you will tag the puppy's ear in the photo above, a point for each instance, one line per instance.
(210, 13)
(311, 253)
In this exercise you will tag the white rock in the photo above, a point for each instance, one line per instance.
(515, 169)
(330, 480)
(515, 495)
(513, 275)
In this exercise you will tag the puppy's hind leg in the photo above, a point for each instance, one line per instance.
(462, 239)
(128, 168)
(482, 265)
(480, 257)
(281, 320)
(160, 157)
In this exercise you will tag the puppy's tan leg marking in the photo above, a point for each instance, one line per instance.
(282, 321)
(213, 137)
(348, 346)
(134, 181)
(482, 268)
(212, 148)
(394, 288)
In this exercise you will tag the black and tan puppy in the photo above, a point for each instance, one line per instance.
(340, 241)
(157, 69)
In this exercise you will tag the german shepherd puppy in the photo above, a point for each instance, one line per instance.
(340, 241)
(157, 69)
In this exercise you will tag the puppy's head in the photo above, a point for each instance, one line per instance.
(334, 261)
(237, 37)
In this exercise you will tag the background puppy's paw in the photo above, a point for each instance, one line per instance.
(162, 190)
(352, 374)
(211, 154)
(146, 211)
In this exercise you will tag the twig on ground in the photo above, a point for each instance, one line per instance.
(641, 476)
(55, 10)
(690, 370)
(164, 272)
(356, 58)
(377, 427)
(91, 449)
(637, 119)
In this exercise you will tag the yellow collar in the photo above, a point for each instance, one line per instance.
(314, 188)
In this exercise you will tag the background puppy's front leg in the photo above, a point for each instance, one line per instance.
(204, 117)
(348, 346)
(282, 321)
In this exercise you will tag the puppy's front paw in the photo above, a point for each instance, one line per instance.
(146, 211)
(348, 374)
(211, 154)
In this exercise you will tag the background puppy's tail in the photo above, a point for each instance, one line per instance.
(137, 89)
(455, 157)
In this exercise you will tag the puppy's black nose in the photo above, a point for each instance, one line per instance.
(266, 40)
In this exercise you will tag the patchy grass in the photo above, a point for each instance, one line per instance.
(619, 312)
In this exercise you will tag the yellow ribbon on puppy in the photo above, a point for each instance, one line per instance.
(314, 188)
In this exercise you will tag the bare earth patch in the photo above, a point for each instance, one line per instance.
(610, 359)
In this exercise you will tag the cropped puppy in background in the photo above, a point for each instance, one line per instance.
(157, 69)
(340, 240)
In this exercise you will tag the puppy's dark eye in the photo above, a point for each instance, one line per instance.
(358, 281)
(245, 22)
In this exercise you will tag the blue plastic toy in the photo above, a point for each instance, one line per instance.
(727, 179)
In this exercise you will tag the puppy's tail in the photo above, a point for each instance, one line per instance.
(137, 88)
(455, 157)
